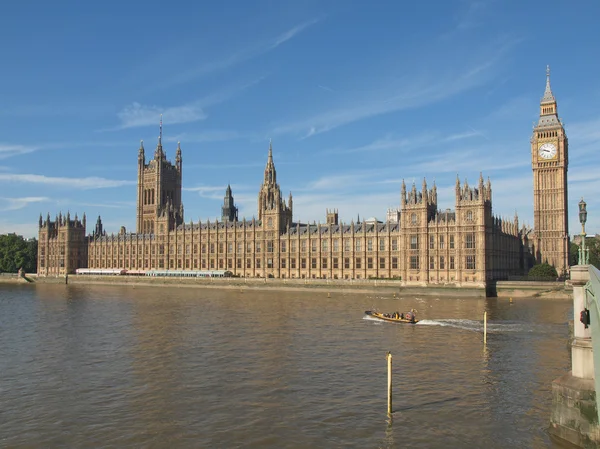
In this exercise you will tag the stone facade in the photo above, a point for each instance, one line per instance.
(62, 245)
(426, 246)
(420, 244)
(550, 161)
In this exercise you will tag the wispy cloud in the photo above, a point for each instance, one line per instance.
(129, 205)
(411, 143)
(325, 88)
(7, 150)
(137, 115)
(421, 91)
(8, 204)
(75, 183)
(206, 136)
(185, 76)
(584, 137)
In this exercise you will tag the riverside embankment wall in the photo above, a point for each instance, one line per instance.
(502, 289)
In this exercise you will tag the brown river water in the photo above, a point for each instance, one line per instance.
(124, 367)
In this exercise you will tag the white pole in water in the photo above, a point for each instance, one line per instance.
(389, 364)
(484, 328)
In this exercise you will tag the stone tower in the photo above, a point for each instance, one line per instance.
(229, 212)
(159, 191)
(550, 160)
(272, 210)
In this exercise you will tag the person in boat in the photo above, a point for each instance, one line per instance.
(410, 316)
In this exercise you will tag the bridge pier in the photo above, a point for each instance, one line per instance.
(574, 410)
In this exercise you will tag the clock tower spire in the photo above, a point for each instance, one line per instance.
(550, 160)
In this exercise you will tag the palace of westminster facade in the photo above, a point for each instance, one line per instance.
(420, 245)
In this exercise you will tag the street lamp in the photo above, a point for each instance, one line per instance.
(584, 254)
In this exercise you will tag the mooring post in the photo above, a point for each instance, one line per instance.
(484, 328)
(389, 365)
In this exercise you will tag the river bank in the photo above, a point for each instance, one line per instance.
(500, 289)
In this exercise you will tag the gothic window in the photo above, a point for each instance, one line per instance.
(432, 242)
(441, 242)
(414, 262)
(303, 263)
(470, 215)
(239, 263)
(470, 241)
(270, 246)
(257, 263)
(293, 262)
(187, 249)
(347, 245)
(283, 247)
(220, 264)
(442, 263)
(414, 242)
(358, 263)
(230, 263)
(394, 263)
(257, 247)
(452, 262)
(336, 245)
(358, 245)
(381, 244)
(382, 263)
(335, 262)
(431, 262)
(161, 249)
(229, 248)
(413, 218)
(452, 242)
(324, 263)
(249, 247)
(283, 263)
(313, 263)
(248, 263)
(303, 246)
(220, 248)
(369, 244)
(347, 263)
(394, 244)
(314, 246)
(293, 246)
(369, 263)
(470, 262)
(239, 247)
(324, 245)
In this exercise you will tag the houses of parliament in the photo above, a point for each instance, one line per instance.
(419, 245)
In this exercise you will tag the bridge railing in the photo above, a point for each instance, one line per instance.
(592, 293)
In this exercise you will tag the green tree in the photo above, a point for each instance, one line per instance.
(543, 270)
(591, 243)
(17, 252)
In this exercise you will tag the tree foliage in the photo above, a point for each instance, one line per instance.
(593, 244)
(543, 270)
(17, 252)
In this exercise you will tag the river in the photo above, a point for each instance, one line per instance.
(141, 367)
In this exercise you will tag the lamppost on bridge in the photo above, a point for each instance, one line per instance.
(584, 253)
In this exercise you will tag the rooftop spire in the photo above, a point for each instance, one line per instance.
(548, 96)
(160, 130)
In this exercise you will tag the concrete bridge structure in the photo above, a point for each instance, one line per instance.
(575, 411)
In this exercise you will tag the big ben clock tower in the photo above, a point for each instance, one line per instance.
(550, 160)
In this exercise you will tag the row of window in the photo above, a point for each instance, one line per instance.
(303, 263)
(257, 246)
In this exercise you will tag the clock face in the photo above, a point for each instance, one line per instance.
(547, 151)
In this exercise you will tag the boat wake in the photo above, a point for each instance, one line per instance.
(477, 326)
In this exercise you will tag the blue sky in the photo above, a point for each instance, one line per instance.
(356, 96)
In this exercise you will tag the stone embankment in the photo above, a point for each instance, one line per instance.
(504, 289)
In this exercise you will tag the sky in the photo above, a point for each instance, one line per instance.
(355, 96)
